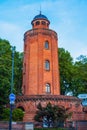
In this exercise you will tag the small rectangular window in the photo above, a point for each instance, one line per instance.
(47, 65)
(46, 45)
(47, 88)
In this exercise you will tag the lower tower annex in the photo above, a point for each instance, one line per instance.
(40, 64)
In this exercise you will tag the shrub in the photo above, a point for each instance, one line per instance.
(17, 114)
(6, 114)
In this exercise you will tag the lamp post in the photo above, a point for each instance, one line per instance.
(12, 96)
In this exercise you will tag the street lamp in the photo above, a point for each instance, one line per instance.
(12, 96)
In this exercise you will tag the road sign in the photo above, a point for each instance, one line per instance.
(12, 97)
(82, 96)
(84, 102)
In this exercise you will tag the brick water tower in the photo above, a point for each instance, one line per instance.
(40, 65)
(41, 72)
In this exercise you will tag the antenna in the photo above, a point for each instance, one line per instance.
(40, 8)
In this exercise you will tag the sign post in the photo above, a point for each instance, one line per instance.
(12, 101)
(12, 96)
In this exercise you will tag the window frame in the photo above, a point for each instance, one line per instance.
(46, 45)
(48, 88)
(43, 22)
(37, 23)
(47, 65)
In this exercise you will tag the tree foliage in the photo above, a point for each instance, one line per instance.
(51, 115)
(66, 70)
(73, 75)
(6, 72)
(80, 76)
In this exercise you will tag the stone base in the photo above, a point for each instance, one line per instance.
(29, 105)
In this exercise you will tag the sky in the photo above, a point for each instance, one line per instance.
(67, 17)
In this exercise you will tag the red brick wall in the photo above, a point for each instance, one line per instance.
(35, 76)
(29, 104)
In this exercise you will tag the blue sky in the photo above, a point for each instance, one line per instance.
(68, 18)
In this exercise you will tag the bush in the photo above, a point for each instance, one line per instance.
(17, 114)
(6, 114)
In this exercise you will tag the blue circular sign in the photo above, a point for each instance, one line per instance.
(12, 97)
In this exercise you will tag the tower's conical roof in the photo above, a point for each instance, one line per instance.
(40, 16)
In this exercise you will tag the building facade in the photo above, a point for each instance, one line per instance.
(40, 66)
(41, 72)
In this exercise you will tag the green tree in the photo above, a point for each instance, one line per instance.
(51, 115)
(65, 69)
(73, 75)
(18, 65)
(6, 72)
(80, 75)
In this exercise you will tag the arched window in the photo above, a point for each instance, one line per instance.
(46, 45)
(38, 22)
(47, 24)
(47, 65)
(43, 23)
(48, 89)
